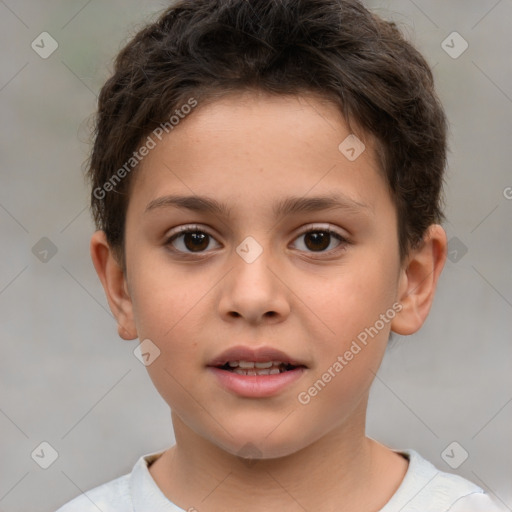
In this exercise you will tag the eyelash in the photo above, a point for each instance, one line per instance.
(183, 230)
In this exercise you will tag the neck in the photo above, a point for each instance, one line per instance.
(344, 470)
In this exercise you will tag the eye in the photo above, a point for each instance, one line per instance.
(318, 239)
(190, 239)
(193, 239)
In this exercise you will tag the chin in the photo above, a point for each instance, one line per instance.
(253, 443)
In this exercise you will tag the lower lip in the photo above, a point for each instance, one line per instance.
(256, 386)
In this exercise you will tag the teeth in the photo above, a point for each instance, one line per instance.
(257, 368)
(252, 364)
(268, 364)
(254, 371)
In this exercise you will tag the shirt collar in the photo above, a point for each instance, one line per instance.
(145, 494)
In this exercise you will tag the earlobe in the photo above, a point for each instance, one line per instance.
(418, 281)
(113, 280)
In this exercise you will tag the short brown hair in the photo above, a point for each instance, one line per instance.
(334, 48)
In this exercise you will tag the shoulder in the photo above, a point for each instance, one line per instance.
(113, 496)
(134, 491)
(427, 489)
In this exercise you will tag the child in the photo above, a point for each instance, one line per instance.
(266, 179)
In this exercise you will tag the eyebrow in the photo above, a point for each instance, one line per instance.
(288, 206)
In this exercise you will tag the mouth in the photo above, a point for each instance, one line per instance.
(256, 373)
(258, 368)
(244, 360)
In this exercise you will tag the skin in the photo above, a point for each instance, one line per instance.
(251, 150)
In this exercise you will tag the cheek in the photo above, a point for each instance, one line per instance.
(356, 309)
(350, 300)
(170, 320)
(345, 364)
(167, 310)
(164, 299)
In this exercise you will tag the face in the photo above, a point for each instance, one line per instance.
(292, 257)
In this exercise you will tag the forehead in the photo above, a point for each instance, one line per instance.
(257, 146)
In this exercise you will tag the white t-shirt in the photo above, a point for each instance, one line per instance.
(423, 489)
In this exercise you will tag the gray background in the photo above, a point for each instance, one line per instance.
(67, 378)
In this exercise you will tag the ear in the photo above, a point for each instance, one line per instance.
(418, 281)
(114, 283)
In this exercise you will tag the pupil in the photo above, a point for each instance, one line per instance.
(318, 237)
(316, 240)
(199, 240)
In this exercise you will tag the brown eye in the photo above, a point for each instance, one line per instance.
(195, 241)
(190, 241)
(319, 240)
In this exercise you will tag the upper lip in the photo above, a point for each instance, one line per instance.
(260, 354)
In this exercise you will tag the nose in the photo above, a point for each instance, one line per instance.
(254, 292)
